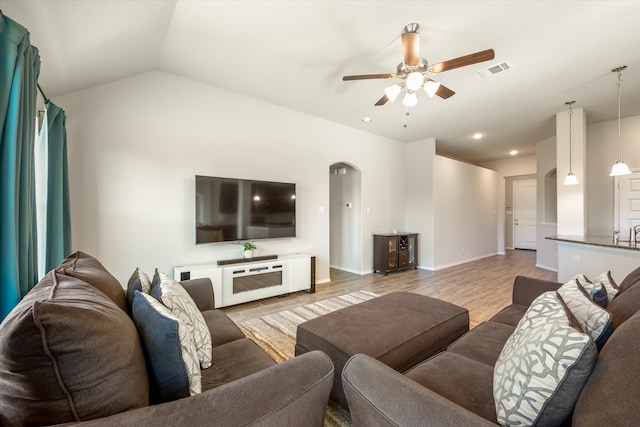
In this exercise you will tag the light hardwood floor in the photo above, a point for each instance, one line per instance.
(482, 286)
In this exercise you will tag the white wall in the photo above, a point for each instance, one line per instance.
(572, 211)
(514, 166)
(465, 212)
(345, 221)
(602, 153)
(136, 144)
(418, 180)
(547, 250)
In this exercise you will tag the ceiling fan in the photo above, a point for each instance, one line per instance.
(414, 71)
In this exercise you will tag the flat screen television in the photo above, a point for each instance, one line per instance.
(230, 209)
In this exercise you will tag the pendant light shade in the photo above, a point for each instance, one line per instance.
(620, 167)
(571, 178)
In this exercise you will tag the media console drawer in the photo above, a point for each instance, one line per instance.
(236, 283)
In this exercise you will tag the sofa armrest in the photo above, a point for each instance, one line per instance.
(526, 289)
(201, 290)
(380, 396)
(295, 392)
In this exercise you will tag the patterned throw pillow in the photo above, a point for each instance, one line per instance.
(177, 299)
(606, 281)
(174, 369)
(594, 320)
(139, 281)
(602, 290)
(542, 367)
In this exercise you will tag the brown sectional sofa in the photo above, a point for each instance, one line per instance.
(454, 388)
(70, 352)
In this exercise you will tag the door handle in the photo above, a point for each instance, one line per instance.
(516, 222)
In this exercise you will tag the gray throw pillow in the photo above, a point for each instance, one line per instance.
(139, 281)
(88, 269)
(69, 353)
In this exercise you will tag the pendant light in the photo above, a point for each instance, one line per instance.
(571, 178)
(620, 167)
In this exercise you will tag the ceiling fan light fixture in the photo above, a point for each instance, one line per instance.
(431, 87)
(415, 80)
(392, 92)
(410, 99)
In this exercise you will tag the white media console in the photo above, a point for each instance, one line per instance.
(244, 280)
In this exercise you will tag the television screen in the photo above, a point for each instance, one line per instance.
(229, 209)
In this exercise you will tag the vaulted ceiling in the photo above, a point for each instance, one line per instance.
(294, 54)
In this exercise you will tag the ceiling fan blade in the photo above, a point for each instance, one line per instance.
(463, 61)
(444, 92)
(368, 76)
(382, 100)
(411, 48)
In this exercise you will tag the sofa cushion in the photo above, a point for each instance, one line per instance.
(177, 299)
(625, 305)
(461, 380)
(510, 315)
(592, 318)
(542, 367)
(483, 343)
(222, 328)
(139, 281)
(174, 369)
(630, 280)
(68, 353)
(234, 360)
(88, 269)
(611, 395)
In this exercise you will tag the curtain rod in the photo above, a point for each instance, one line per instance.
(42, 93)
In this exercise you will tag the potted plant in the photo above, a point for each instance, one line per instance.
(248, 249)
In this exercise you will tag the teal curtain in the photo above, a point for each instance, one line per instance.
(57, 237)
(19, 70)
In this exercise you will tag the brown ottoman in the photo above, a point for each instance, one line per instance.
(400, 329)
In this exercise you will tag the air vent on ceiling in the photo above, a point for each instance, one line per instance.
(495, 69)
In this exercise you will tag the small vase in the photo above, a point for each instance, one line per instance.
(248, 253)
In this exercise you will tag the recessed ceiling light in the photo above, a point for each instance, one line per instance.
(366, 119)
(477, 135)
(513, 152)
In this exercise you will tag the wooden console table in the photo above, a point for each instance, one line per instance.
(395, 251)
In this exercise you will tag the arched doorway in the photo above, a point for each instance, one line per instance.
(345, 192)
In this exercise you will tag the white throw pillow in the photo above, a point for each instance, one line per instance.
(542, 367)
(609, 285)
(178, 300)
(594, 320)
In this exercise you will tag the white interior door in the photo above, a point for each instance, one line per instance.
(524, 214)
(627, 206)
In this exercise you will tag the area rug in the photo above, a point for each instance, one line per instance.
(276, 334)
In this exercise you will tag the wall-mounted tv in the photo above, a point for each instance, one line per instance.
(230, 209)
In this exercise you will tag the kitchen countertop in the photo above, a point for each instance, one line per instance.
(606, 241)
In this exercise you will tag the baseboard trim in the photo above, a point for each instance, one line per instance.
(546, 267)
(441, 267)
